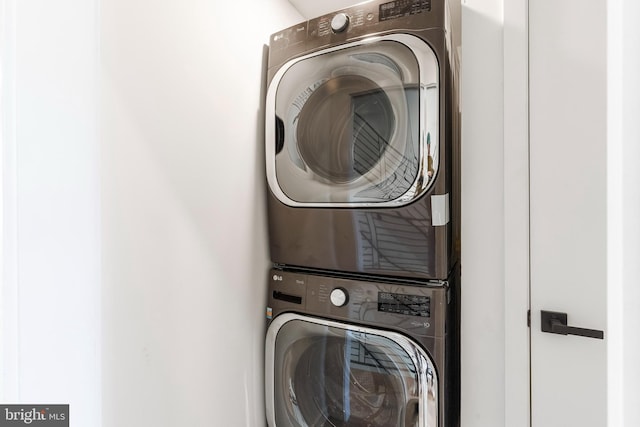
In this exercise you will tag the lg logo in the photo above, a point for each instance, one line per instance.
(277, 278)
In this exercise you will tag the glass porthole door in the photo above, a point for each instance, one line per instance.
(356, 124)
(323, 374)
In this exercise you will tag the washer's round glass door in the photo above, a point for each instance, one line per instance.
(356, 124)
(327, 375)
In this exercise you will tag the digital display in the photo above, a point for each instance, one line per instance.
(400, 8)
(411, 305)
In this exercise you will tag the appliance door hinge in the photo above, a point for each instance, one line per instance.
(529, 318)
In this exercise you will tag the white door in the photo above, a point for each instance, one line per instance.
(568, 104)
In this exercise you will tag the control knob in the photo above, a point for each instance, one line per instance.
(340, 22)
(339, 297)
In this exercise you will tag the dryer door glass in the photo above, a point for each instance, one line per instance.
(328, 375)
(352, 126)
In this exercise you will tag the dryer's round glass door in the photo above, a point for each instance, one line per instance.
(332, 376)
(356, 124)
(362, 124)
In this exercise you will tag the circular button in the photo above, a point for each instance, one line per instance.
(340, 22)
(339, 297)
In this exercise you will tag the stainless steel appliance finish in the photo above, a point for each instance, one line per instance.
(362, 142)
(349, 352)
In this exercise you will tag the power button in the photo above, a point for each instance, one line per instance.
(339, 297)
(340, 22)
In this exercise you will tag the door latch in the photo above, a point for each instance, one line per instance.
(556, 323)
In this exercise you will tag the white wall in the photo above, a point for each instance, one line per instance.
(51, 281)
(184, 234)
(483, 293)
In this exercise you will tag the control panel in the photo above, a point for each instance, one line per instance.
(368, 18)
(417, 309)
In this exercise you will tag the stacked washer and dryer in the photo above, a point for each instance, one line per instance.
(362, 163)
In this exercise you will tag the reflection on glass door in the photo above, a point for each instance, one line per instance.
(329, 375)
(356, 124)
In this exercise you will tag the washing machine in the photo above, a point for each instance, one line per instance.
(362, 141)
(343, 351)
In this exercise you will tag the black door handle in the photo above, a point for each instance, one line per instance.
(556, 323)
(279, 134)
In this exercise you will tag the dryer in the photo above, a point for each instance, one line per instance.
(361, 141)
(348, 352)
